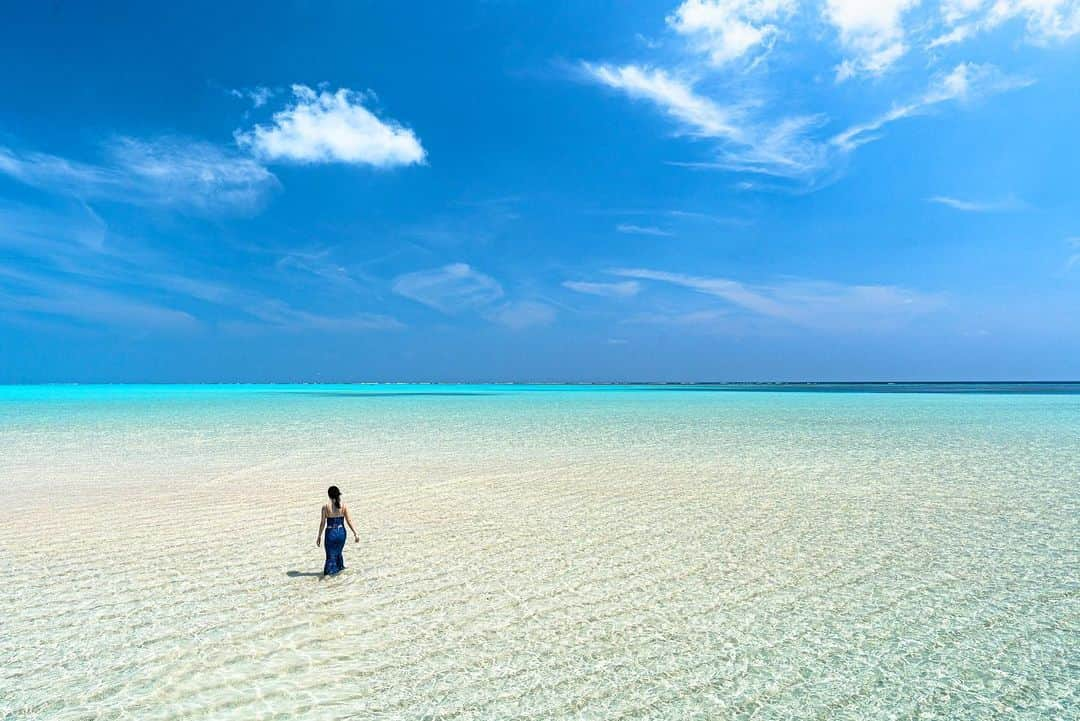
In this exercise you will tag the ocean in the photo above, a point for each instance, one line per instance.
(825, 551)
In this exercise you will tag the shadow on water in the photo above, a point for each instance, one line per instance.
(941, 387)
(302, 574)
(366, 394)
(900, 387)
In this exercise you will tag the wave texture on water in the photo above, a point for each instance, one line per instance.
(556, 553)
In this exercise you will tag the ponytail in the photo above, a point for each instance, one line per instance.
(335, 496)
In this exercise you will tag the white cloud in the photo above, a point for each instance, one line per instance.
(458, 288)
(719, 219)
(698, 115)
(978, 206)
(325, 127)
(711, 319)
(193, 173)
(871, 31)
(166, 171)
(282, 316)
(966, 81)
(764, 128)
(258, 96)
(953, 11)
(781, 148)
(956, 35)
(1046, 21)
(39, 295)
(810, 303)
(786, 148)
(449, 289)
(632, 229)
(99, 277)
(730, 290)
(518, 315)
(1074, 259)
(623, 289)
(728, 29)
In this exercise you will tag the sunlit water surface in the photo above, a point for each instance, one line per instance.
(539, 553)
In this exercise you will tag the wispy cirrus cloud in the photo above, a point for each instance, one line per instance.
(965, 82)
(712, 318)
(789, 148)
(808, 303)
(258, 311)
(624, 289)
(450, 289)
(631, 229)
(65, 263)
(324, 127)
(320, 267)
(672, 215)
(1073, 260)
(522, 314)
(199, 176)
(730, 290)
(979, 206)
(37, 294)
(696, 114)
(758, 128)
(82, 297)
(281, 315)
(746, 143)
(459, 288)
(178, 172)
(75, 299)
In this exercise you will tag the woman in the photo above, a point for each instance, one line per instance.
(333, 514)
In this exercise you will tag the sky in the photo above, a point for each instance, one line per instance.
(514, 191)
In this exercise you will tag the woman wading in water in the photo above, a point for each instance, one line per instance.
(333, 515)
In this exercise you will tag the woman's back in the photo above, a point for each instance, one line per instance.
(334, 517)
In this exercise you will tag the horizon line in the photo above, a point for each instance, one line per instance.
(548, 383)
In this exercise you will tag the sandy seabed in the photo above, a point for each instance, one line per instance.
(590, 557)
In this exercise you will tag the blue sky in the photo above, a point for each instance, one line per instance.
(724, 190)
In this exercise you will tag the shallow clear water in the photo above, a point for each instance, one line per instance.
(541, 552)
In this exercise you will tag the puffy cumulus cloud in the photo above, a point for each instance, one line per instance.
(1045, 21)
(727, 30)
(871, 32)
(325, 127)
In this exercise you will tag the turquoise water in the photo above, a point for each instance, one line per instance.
(768, 552)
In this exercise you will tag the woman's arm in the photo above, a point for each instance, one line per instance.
(348, 519)
(322, 525)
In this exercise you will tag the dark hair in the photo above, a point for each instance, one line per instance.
(335, 496)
